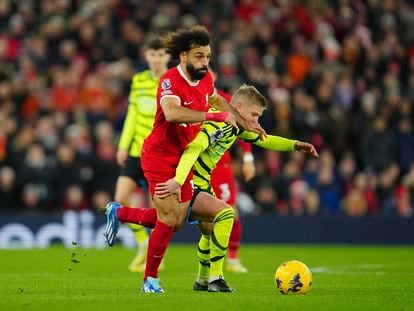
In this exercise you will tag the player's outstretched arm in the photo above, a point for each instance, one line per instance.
(220, 103)
(306, 148)
(278, 143)
(174, 112)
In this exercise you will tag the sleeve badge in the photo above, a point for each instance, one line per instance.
(166, 84)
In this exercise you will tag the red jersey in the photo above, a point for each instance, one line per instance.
(168, 138)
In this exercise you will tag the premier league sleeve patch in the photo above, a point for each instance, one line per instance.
(217, 135)
(166, 84)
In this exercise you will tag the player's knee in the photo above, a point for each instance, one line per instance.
(228, 211)
(177, 226)
(225, 206)
(206, 228)
(168, 215)
(168, 211)
(179, 223)
(169, 220)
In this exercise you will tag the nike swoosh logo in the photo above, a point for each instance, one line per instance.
(188, 103)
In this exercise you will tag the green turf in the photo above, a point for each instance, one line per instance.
(344, 278)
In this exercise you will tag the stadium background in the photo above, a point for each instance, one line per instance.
(339, 74)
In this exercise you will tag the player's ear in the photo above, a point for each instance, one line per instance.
(238, 105)
(183, 56)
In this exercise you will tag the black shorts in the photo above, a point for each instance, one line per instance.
(209, 190)
(133, 170)
(197, 191)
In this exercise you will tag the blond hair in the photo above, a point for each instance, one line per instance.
(251, 94)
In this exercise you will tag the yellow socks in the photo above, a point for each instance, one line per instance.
(223, 223)
(203, 253)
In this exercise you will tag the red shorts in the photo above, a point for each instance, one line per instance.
(158, 169)
(223, 183)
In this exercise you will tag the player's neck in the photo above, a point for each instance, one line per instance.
(184, 69)
(157, 73)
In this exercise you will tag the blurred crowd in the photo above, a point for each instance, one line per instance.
(338, 74)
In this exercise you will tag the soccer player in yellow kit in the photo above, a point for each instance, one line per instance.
(203, 153)
(138, 124)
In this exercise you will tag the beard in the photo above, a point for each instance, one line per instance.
(196, 74)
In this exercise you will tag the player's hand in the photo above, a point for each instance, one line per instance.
(231, 120)
(306, 148)
(249, 170)
(165, 189)
(121, 156)
(256, 128)
(251, 126)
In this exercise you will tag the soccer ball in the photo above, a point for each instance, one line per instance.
(293, 277)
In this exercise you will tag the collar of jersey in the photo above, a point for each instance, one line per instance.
(182, 74)
(238, 131)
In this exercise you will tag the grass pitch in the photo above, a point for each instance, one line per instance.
(344, 278)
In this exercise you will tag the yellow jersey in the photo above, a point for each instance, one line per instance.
(141, 112)
(213, 140)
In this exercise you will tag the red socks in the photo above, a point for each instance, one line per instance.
(157, 245)
(141, 216)
(235, 237)
(159, 238)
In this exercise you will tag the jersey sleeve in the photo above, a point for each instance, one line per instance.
(271, 142)
(190, 156)
(168, 87)
(244, 146)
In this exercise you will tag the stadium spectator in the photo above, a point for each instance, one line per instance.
(8, 189)
(74, 199)
(36, 175)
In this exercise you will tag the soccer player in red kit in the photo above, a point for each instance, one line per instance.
(185, 93)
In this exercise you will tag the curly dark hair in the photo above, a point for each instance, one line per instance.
(184, 40)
